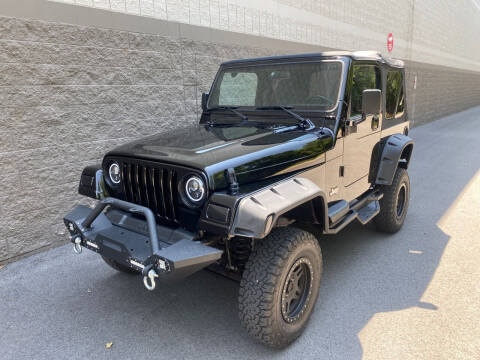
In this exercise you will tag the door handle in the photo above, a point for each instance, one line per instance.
(375, 122)
(355, 121)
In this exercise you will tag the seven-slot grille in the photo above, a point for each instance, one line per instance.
(151, 186)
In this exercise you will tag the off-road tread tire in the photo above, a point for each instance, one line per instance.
(119, 267)
(261, 283)
(387, 221)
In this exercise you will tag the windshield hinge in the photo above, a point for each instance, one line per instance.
(306, 124)
(232, 181)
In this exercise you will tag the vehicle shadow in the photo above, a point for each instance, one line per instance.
(364, 273)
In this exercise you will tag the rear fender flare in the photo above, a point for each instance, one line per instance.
(397, 151)
(257, 213)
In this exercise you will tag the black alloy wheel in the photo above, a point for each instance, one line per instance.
(297, 290)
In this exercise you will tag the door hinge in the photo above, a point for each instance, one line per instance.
(342, 171)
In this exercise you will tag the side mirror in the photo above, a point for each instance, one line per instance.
(371, 102)
(204, 101)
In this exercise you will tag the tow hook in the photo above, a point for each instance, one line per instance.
(149, 280)
(77, 247)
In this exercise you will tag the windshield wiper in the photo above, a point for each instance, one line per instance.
(229, 108)
(239, 124)
(303, 123)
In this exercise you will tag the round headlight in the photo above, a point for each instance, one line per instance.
(114, 172)
(195, 189)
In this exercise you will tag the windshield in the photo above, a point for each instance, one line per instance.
(312, 86)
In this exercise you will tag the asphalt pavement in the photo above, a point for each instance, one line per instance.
(412, 295)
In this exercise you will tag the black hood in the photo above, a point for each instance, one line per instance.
(254, 152)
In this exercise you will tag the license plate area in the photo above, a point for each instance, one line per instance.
(123, 245)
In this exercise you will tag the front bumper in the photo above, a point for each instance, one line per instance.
(138, 243)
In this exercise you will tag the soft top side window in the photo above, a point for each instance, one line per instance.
(395, 95)
(365, 77)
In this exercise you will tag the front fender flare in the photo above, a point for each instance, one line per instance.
(257, 213)
(397, 147)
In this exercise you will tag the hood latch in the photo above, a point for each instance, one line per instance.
(232, 181)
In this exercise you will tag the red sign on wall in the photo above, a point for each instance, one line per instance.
(390, 42)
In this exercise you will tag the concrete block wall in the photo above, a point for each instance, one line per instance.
(439, 91)
(70, 92)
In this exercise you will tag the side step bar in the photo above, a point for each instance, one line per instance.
(342, 213)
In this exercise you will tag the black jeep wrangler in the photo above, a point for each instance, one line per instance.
(283, 142)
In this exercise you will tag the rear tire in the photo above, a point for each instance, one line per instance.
(279, 287)
(119, 267)
(394, 204)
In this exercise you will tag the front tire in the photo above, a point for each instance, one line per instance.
(394, 204)
(279, 287)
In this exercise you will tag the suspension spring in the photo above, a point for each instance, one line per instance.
(241, 249)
